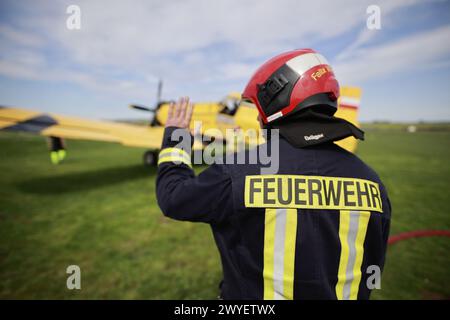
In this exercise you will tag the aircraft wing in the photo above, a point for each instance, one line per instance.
(46, 124)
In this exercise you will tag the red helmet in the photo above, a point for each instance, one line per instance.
(290, 82)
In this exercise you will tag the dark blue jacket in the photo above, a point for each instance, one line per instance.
(317, 229)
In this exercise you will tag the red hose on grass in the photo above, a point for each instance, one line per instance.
(418, 234)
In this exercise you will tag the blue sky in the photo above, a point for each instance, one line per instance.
(207, 48)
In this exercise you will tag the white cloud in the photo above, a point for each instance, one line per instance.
(202, 46)
(417, 52)
(367, 35)
(232, 71)
(7, 33)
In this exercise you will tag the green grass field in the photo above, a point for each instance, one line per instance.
(98, 210)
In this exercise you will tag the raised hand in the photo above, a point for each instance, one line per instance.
(180, 113)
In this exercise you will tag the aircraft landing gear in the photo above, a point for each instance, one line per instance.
(150, 158)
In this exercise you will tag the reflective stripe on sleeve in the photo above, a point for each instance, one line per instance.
(174, 155)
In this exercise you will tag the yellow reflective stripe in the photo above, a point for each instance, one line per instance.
(174, 155)
(364, 217)
(344, 221)
(352, 233)
(175, 159)
(174, 151)
(280, 236)
(289, 253)
(269, 244)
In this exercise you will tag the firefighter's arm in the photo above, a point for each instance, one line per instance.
(181, 195)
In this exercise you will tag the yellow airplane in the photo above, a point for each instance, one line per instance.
(226, 114)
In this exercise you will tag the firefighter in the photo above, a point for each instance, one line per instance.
(315, 229)
(57, 149)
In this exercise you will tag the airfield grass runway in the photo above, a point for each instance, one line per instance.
(98, 210)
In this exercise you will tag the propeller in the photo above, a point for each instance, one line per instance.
(158, 100)
(139, 107)
(153, 119)
(159, 92)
